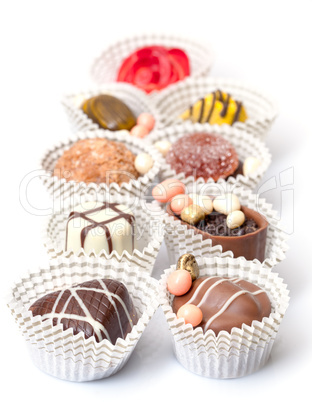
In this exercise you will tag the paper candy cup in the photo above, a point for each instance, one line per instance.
(60, 188)
(72, 357)
(137, 101)
(105, 67)
(245, 145)
(180, 239)
(260, 107)
(149, 229)
(235, 354)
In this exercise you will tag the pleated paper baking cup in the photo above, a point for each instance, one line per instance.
(72, 357)
(261, 109)
(105, 67)
(228, 355)
(245, 144)
(148, 230)
(61, 188)
(137, 101)
(181, 239)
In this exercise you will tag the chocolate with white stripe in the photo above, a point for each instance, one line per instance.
(101, 308)
(225, 302)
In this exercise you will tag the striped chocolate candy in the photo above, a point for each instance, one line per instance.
(101, 308)
(225, 303)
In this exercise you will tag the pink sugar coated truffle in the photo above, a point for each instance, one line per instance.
(179, 202)
(147, 120)
(205, 155)
(179, 282)
(139, 131)
(191, 314)
(167, 189)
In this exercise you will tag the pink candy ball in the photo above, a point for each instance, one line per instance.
(179, 282)
(147, 120)
(191, 314)
(139, 131)
(179, 202)
(167, 189)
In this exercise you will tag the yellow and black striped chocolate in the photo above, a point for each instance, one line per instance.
(216, 108)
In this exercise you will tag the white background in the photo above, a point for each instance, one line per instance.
(47, 48)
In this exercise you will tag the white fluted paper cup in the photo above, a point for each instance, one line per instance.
(61, 188)
(148, 232)
(244, 350)
(72, 357)
(245, 144)
(180, 238)
(137, 101)
(260, 107)
(105, 67)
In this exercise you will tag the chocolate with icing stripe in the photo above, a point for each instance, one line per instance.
(225, 302)
(216, 108)
(101, 308)
(101, 226)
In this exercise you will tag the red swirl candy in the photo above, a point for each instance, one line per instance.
(154, 67)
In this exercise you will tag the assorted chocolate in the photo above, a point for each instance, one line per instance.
(97, 226)
(217, 107)
(213, 302)
(101, 308)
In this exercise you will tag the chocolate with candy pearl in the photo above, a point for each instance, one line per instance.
(225, 302)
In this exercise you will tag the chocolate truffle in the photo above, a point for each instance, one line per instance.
(109, 112)
(225, 302)
(216, 108)
(203, 155)
(97, 160)
(101, 308)
(101, 226)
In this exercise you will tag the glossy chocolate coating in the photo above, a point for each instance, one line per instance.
(225, 303)
(109, 112)
(250, 246)
(99, 308)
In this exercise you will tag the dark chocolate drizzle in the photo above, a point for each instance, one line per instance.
(219, 92)
(202, 108)
(216, 95)
(212, 107)
(93, 224)
(225, 105)
(238, 109)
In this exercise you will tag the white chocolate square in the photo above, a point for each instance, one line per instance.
(101, 226)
